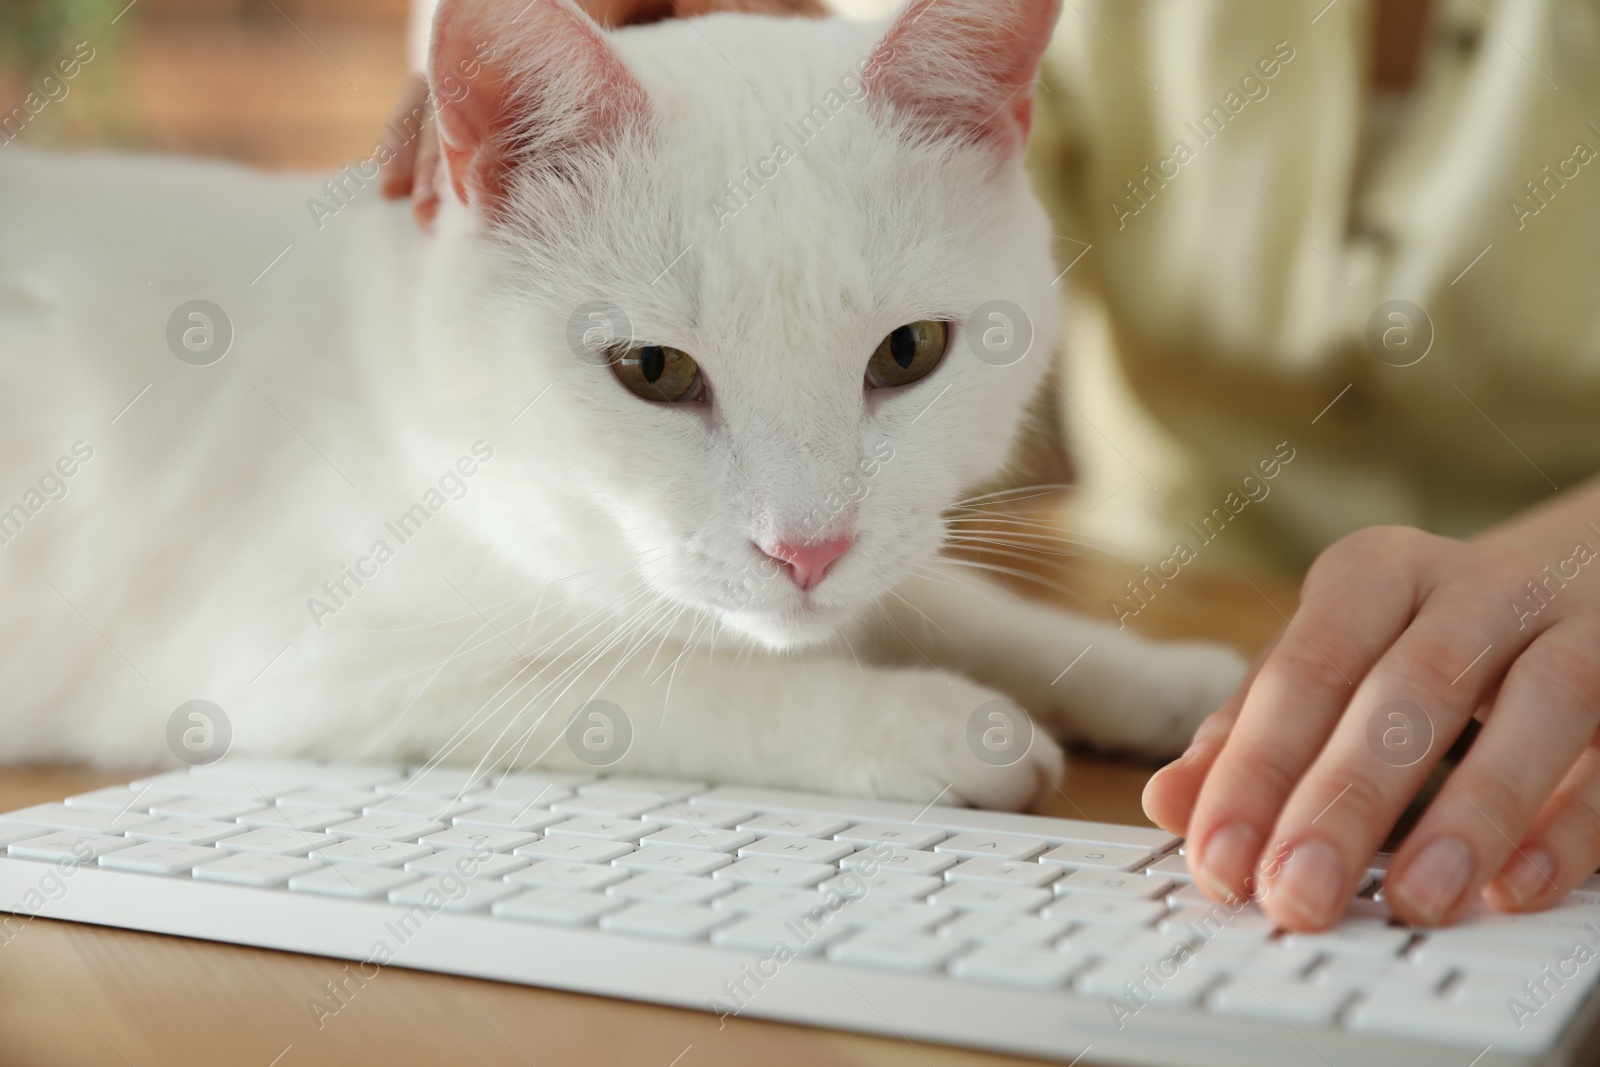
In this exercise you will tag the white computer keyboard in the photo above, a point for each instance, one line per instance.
(1015, 933)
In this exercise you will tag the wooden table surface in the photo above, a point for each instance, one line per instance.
(79, 995)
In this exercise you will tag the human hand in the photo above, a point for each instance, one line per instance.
(1401, 637)
(413, 168)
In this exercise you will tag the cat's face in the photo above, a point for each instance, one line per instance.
(762, 261)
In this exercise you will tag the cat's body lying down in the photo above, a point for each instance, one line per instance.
(356, 536)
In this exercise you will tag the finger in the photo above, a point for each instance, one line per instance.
(1350, 613)
(1563, 847)
(1547, 713)
(425, 193)
(1403, 718)
(398, 173)
(1170, 795)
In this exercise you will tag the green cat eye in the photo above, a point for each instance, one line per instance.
(908, 354)
(658, 373)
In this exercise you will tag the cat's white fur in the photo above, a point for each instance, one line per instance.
(605, 550)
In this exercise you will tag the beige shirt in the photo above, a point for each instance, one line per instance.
(1220, 305)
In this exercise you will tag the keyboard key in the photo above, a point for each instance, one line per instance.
(804, 849)
(455, 893)
(1018, 965)
(983, 896)
(577, 877)
(795, 825)
(901, 835)
(1299, 1003)
(662, 790)
(88, 820)
(759, 871)
(670, 922)
(891, 886)
(706, 816)
(902, 861)
(1442, 1020)
(1218, 922)
(371, 852)
(1115, 883)
(1100, 908)
(311, 820)
(278, 841)
(672, 860)
(386, 827)
(1172, 986)
(995, 846)
(338, 798)
(119, 798)
(356, 883)
(509, 817)
(556, 907)
(894, 914)
(187, 831)
(1003, 872)
(1376, 976)
(1128, 942)
(1354, 937)
(160, 857)
(705, 839)
(672, 888)
(471, 864)
(602, 829)
(606, 805)
(68, 846)
(255, 869)
(575, 849)
(10, 832)
(761, 933)
(1097, 857)
(219, 808)
(434, 809)
(478, 837)
(895, 951)
(1174, 866)
(1491, 954)
(1004, 928)
(765, 900)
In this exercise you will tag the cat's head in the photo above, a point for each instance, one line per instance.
(786, 276)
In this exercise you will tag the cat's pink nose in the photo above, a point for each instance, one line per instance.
(808, 564)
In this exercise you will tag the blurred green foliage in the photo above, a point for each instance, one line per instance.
(35, 35)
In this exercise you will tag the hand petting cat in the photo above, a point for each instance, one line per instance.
(414, 167)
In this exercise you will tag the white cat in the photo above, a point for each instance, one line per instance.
(675, 410)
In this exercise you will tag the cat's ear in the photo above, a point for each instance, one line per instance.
(965, 68)
(523, 85)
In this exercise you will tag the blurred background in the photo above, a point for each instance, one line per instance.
(274, 83)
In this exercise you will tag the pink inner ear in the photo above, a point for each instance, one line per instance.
(523, 86)
(966, 68)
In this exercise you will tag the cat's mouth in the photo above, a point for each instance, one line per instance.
(806, 621)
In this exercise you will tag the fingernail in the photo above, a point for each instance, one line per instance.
(1229, 857)
(1531, 873)
(1436, 878)
(1313, 881)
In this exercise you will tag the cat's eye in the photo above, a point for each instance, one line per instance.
(656, 372)
(908, 354)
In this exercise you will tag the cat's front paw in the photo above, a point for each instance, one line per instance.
(961, 743)
(1178, 684)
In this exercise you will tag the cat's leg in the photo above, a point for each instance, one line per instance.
(1082, 679)
(816, 722)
